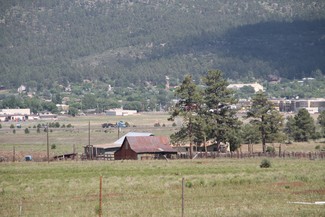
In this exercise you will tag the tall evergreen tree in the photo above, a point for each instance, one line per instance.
(290, 128)
(275, 127)
(188, 105)
(263, 114)
(305, 126)
(250, 134)
(321, 121)
(219, 115)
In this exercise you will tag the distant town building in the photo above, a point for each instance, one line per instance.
(311, 105)
(120, 112)
(63, 108)
(14, 114)
(21, 89)
(257, 87)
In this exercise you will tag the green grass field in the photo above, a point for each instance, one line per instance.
(219, 187)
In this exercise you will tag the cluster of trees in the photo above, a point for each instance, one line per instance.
(313, 87)
(208, 114)
(147, 97)
(130, 42)
(35, 104)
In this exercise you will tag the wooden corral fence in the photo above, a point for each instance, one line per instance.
(71, 156)
(285, 154)
(109, 156)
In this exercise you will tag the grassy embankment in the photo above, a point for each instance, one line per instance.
(219, 187)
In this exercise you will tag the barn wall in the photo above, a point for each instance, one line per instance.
(125, 153)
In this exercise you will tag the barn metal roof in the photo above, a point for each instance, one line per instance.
(149, 144)
(120, 140)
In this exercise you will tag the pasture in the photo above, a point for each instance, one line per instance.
(213, 187)
(218, 187)
(76, 137)
(66, 140)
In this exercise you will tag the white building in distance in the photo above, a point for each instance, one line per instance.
(120, 112)
(257, 87)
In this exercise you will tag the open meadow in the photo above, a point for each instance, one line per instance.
(76, 137)
(66, 140)
(212, 187)
(218, 187)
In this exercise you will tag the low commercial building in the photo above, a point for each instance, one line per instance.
(256, 86)
(311, 105)
(120, 112)
(14, 114)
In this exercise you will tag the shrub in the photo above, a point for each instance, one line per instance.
(156, 125)
(189, 184)
(320, 148)
(0, 126)
(270, 149)
(174, 124)
(12, 126)
(14, 131)
(97, 210)
(38, 130)
(265, 163)
(57, 124)
(26, 131)
(53, 146)
(69, 126)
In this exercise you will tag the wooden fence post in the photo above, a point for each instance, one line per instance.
(100, 196)
(183, 197)
(14, 154)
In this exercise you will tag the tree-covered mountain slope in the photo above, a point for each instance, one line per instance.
(129, 42)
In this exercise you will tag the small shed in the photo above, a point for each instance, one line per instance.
(145, 147)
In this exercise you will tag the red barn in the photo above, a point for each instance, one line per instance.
(145, 147)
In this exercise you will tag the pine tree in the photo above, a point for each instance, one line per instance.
(304, 125)
(218, 113)
(321, 121)
(268, 120)
(290, 128)
(189, 102)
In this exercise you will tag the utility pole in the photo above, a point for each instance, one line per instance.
(190, 136)
(47, 143)
(91, 152)
(183, 197)
(14, 154)
(100, 195)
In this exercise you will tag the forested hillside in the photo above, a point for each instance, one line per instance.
(132, 42)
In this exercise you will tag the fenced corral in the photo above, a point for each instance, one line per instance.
(19, 156)
(284, 154)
